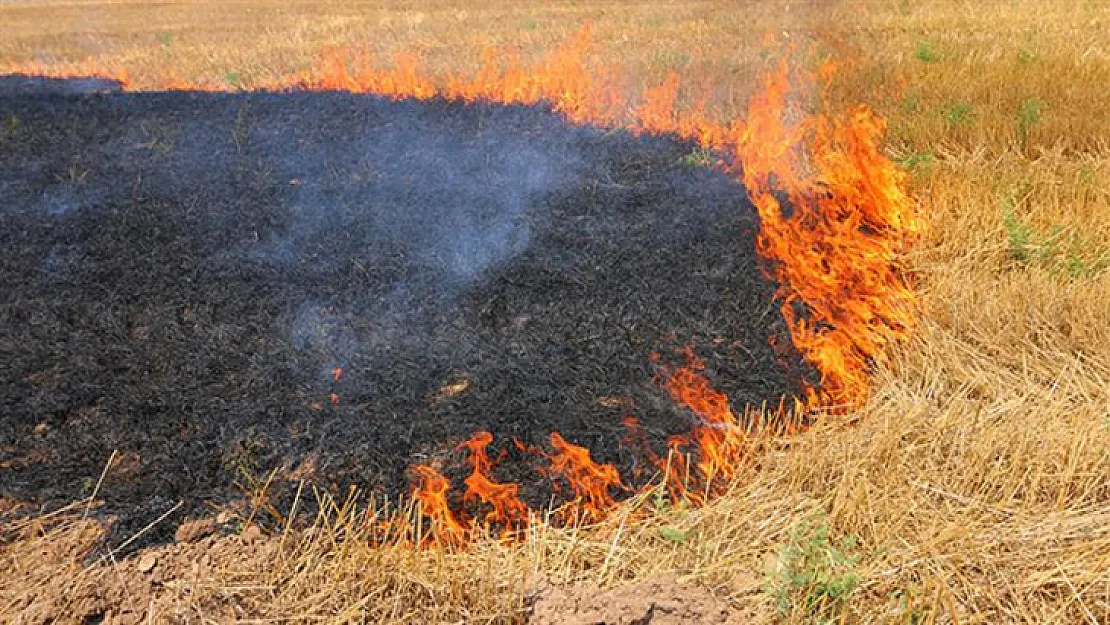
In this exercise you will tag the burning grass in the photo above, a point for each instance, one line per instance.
(973, 478)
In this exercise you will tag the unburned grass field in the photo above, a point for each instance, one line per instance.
(971, 484)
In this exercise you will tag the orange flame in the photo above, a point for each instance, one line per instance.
(506, 507)
(590, 482)
(430, 491)
(835, 224)
(718, 436)
(835, 247)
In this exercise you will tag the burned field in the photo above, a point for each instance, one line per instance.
(338, 287)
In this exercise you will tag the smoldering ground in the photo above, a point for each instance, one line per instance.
(188, 278)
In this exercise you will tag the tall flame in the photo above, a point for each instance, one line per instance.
(835, 222)
(835, 245)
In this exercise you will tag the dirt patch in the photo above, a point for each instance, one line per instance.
(51, 575)
(661, 600)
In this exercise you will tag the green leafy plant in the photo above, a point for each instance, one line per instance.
(925, 53)
(673, 534)
(958, 113)
(1026, 56)
(700, 157)
(1060, 249)
(1018, 234)
(165, 38)
(666, 507)
(813, 575)
(919, 162)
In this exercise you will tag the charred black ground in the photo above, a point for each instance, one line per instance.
(180, 273)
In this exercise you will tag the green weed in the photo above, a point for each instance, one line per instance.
(700, 157)
(672, 59)
(920, 162)
(1061, 250)
(1087, 176)
(911, 102)
(813, 575)
(925, 53)
(958, 114)
(234, 79)
(907, 605)
(165, 38)
(673, 534)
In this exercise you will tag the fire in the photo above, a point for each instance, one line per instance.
(430, 492)
(718, 436)
(505, 507)
(835, 249)
(835, 222)
(591, 483)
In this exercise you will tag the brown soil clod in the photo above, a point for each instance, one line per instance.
(661, 600)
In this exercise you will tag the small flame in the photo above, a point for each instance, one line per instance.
(430, 491)
(718, 436)
(591, 483)
(505, 507)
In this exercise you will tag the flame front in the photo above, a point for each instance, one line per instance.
(835, 248)
(835, 222)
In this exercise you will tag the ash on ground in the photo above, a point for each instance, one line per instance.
(337, 286)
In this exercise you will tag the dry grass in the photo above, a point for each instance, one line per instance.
(976, 480)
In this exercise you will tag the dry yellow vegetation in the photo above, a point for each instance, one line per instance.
(974, 486)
